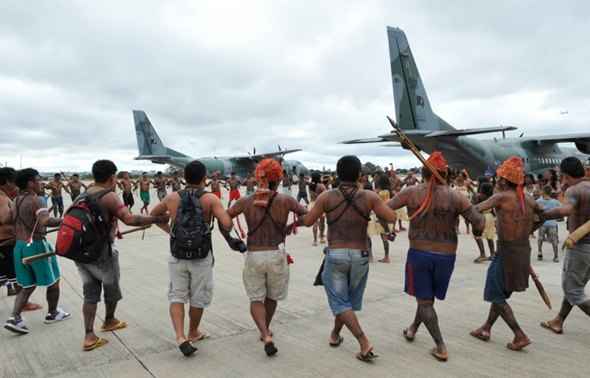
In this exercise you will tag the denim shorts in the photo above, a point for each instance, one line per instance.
(345, 278)
(101, 276)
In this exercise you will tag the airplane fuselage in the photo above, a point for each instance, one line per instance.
(478, 156)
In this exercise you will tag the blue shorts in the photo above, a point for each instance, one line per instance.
(43, 272)
(345, 278)
(495, 290)
(428, 274)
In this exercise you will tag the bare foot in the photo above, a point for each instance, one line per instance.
(481, 334)
(385, 260)
(519, 343)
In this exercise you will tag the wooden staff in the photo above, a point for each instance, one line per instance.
(408, 142)
(41, 256)
(540, 287)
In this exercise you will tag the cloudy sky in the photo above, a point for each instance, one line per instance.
(220, 77)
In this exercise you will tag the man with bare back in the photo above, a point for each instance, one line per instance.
(315, 189)
(510, 268)
(266, 270)
(191, 264)
(434, 209)
(346, 264)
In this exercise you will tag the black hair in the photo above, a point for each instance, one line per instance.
(102, 170)
(572, 166)
(24, 176)
(7, 175)
(195, 172)
(547, 190)
(487, 189)
(426, 174)
(301, 174)
(272, 185)
(348, 168)
(75, 175)
(383, 182)
(56, 175)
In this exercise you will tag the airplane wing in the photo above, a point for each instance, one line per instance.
(563, 138)
(258, 157)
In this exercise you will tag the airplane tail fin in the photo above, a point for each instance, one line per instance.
(149, 144)
(412, 108)
(148, 141)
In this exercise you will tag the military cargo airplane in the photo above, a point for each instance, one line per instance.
(151, 148)
(430, 132)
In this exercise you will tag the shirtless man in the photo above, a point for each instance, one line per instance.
(287, 183)
(395, 183)
(30, 219)
(410, 180)
(346, 264)
(191, 280)
(234, 188)
(176, 182)
(576, 264)
(127, 187)
(510, 268)
(75, 185)
(315, 189)
(434, 209)
(160, 185)
(215, 185)
(302, 189)
(144, 184)
(266, 271)
(103, 275)
(57, 202)
(250, 185)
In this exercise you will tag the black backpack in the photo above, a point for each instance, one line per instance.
(190, 236)
(84, 233)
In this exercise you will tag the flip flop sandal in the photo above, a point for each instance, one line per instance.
(337, 343)
(187, 348)
(407, 337)
(97, 344)
(517, 348)
(202, 336)
(270, 349)
(438, 356)
(546, 325)
(367, 357)
(480, 336)
(114, 327)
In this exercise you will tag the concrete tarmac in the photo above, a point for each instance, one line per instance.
(301, 326)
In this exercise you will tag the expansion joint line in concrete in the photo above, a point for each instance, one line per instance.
(135, 356)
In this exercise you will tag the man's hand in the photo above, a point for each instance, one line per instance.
(161, 219)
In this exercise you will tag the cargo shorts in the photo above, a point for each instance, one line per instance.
(191, 281)
(266, 275)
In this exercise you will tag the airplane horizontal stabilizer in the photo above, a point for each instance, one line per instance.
(266, 155)
(482, 130)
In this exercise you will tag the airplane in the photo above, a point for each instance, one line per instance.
(430, 132)
(151, 148)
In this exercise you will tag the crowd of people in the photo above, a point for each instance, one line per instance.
(344, 211)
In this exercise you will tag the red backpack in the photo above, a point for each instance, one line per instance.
(84, 232)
